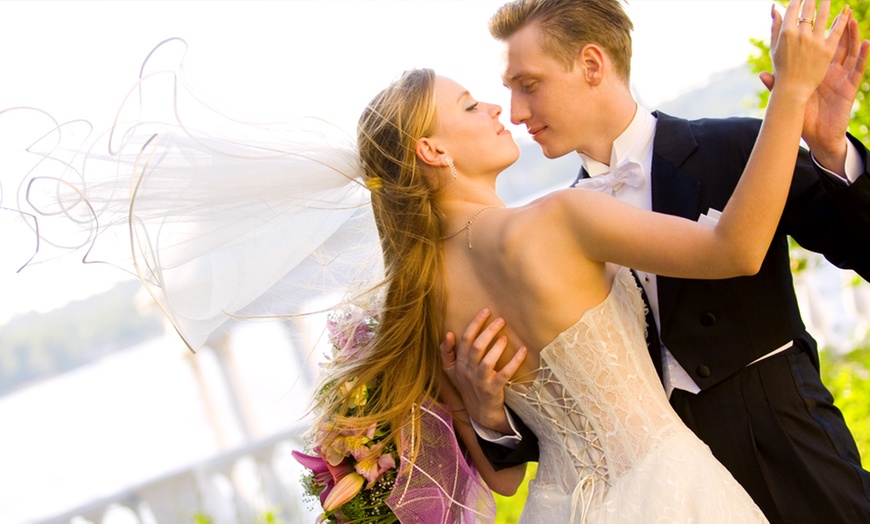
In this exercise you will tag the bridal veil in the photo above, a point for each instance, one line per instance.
(219, 218)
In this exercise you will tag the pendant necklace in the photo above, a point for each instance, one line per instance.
(467, 226)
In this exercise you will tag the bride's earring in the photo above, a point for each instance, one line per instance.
(449, 161)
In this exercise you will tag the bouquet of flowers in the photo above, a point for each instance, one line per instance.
(352, 472)
(359, 477)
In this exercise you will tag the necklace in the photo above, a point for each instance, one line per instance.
(467, 226)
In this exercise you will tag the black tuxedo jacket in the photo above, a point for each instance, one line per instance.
(715, 328)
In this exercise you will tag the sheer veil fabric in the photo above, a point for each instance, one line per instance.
(217, 217)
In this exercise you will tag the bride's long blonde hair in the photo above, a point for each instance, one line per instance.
(403, 358)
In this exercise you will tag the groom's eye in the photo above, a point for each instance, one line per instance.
(527, 87)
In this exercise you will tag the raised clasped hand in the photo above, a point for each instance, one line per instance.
(800, 48)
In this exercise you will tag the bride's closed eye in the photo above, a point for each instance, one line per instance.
(472, 107)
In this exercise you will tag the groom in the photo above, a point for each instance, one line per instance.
(735, 358)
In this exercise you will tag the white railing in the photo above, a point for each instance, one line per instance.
(257, 482)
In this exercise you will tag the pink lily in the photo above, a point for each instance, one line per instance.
(316, 464)
(325, 474)
(344, 490)
(337, 473)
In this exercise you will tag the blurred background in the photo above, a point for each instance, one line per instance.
(107, 417)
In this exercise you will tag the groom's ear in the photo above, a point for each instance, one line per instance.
(592, 62)
(429, 153)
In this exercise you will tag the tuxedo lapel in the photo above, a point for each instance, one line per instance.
(673, 192)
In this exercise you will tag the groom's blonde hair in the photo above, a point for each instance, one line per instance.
(568, 25)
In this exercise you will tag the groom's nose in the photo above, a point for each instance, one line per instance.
(519, 110)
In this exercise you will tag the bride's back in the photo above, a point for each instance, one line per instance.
(525, 268)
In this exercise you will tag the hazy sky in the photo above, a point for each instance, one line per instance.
(272, 60)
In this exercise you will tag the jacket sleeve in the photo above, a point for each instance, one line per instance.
(502, 457)
(830, 218)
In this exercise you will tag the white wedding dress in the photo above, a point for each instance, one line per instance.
(611, 447)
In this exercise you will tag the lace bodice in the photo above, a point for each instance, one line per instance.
(596, 403)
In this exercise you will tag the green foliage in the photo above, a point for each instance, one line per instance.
(269, 517)
(848, 378)
(860, 125)
(265, 517)
(369, 506)
(202, 518)
(798, 257)
(508, 509)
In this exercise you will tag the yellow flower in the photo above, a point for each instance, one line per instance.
(343, 491)
(355, 444)
(372, 464)
(359, 395)
(349, 442)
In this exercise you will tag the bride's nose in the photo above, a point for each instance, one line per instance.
(494, 110)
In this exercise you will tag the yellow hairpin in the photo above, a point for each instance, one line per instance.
(374, 183)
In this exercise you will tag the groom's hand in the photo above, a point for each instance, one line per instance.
(470, 365)
(830, 107)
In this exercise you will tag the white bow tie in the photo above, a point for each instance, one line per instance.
(628, 173)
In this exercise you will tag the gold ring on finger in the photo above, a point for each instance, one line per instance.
(803, 19)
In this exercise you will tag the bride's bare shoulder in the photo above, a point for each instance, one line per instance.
(558, 204)
(557, 221)
(543, 217)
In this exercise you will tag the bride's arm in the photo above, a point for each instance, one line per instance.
(505, 481)
(611, 231)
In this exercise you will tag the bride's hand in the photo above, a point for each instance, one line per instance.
(800, 50)
(470, 365)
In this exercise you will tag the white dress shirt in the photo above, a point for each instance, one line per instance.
(637, 142)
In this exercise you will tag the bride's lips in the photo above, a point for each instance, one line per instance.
(503, 131)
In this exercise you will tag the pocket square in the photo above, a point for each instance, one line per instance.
(710, 218)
